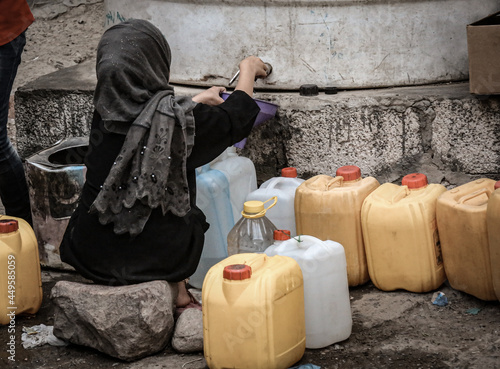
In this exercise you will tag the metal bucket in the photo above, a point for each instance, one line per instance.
(55, 178)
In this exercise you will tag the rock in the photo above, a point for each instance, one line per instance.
(126, 322)
(188, 335)
(49, 11)
(73, 3)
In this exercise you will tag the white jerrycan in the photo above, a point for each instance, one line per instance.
(326, 291)
(240, 173)
(283, 214)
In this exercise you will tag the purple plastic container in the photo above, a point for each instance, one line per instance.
(267, 111)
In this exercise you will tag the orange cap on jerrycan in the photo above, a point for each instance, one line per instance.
(349, 172)
(254, 312)
(8, 225)
(282, 235)
(462, 223)
(415, 181)
(401, 238)
(237, 272)
(21, 269)
(329, 208)
(290, 172)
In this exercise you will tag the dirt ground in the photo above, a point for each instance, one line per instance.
(390, 329)
(60, 37)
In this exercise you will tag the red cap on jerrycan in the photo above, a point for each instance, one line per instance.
(8, 225)
(349, 172)
(289, 172)
(497, 185)
(415, 181)
(237, 272)
(281, 235)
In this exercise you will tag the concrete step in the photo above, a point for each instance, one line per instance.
(440, 130)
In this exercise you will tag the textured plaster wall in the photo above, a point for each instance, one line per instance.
(54, 107)
(443, 131)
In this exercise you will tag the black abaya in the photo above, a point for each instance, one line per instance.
(169, 247)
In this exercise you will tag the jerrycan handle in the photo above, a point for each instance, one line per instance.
(334, 182)
(477, 193)
(402, 192)
(263, 212)
(272, 183)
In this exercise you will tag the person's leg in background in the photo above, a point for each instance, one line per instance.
(13, 187)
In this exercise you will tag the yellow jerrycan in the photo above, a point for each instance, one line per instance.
(493, 224)
(253, 313)
(401, 236)
(461, 219)
(20, 277)
(330, 209)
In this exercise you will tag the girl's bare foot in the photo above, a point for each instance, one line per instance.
(183, 297)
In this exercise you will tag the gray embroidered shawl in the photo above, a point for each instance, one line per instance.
(133, 62)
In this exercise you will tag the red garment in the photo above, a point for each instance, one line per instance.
(15, 18)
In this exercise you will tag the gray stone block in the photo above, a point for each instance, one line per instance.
(54, 107)
(126, 322)
(188, 334)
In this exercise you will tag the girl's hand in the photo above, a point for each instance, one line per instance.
(210, 96)
(253, 66)
(250, 69)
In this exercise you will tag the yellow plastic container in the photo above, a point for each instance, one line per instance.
(253, 313)
(330, 209)
(401, 237)
(493, 225)
(20, 278)
(461, 219)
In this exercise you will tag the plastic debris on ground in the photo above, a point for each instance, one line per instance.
(439, 299)
(306, 366)
(40, 335)
(473, 311)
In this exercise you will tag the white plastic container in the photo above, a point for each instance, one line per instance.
(254, 232)
(212, 197)
(283, 214)
(326, 291)
(240, 172)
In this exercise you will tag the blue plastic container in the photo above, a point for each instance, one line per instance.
(213, 198)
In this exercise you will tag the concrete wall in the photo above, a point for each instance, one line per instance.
(344, 43)
(442, 131)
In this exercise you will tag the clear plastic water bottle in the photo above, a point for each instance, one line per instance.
(254, 231)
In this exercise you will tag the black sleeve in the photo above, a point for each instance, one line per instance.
(218, 127)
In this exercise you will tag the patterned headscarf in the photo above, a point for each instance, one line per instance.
(133, 97)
